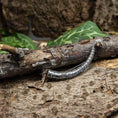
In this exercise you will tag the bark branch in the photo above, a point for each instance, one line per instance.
(24, 60)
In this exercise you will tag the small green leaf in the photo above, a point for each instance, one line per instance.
(3, 52)
(18, 40)
(26, 41)
(85, 31)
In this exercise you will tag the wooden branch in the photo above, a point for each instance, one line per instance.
(7, 48)
(28, 60)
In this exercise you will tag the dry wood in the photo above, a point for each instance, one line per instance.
(24, 60)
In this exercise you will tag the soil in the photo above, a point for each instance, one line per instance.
(93, 94)
(51, 18)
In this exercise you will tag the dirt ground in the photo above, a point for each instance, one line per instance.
(90, 95)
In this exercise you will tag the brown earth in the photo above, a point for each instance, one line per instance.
(93, 94)
(53, 17)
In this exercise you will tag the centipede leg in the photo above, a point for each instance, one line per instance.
(44, 76)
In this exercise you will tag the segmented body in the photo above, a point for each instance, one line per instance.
(76, 70)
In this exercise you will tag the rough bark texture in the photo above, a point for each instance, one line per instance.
(55, 57)
(53, 17)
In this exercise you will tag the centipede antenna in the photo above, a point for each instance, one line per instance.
(31, 35)
(30, 27)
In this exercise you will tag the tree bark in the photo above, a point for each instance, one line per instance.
(54, 57)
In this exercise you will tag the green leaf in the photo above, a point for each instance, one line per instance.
(26, 41)
(3, 52)
(85, 31)
(19, 40)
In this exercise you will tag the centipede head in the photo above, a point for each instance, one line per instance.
(99, 42)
